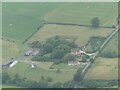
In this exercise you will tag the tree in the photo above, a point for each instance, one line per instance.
(60, 51)
(36, 44)
(69, 57)
(95, 22)
(57, 85)
(49, 79)
(77, 77)
(47, 48)
(43, 83)
(58, 71)
(5, 77)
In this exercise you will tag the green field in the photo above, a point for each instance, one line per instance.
(80, 34)
(103, 69)
(24, 17)
(37, 72)
(9, 86)
(111, 49)
(82, 13)
(12, 50)
(20, 20)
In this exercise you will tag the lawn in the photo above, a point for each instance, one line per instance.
(37, 72)
(81, 34)
(21, 19)
(103, 69)
(83, 12)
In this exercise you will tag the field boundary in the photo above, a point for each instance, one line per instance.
(73, 24)
(33, 34)
(65, 24)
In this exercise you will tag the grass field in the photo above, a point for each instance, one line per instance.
(43, 65)
(82, 13)
(20, 20)
(103, 69)
(12, 50)
(81, 34)
(9, 86)
(112, 46)
(37, 72)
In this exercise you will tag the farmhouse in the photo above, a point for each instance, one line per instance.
(73, 63)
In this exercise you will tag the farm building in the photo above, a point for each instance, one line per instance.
(77, 53)
(73, 63)
(13, 64)
(32, 52)
(28, 53)
(35, 52)
(32, 66)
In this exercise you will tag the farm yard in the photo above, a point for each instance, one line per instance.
(24, 23)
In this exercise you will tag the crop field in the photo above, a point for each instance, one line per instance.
(37, 72)
(81, 34)
(20, 20)
(103, 69)
(82, 13)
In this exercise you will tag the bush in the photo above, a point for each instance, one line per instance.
(49, 79)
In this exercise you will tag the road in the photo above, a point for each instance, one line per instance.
(115, 30)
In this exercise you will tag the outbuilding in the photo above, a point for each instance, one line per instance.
(73, 63)
(13, 64)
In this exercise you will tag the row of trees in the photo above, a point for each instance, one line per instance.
(94, 43)
(55, 48)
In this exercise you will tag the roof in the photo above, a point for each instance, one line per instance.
(72, 62)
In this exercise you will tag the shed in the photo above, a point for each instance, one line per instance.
(13, 64)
